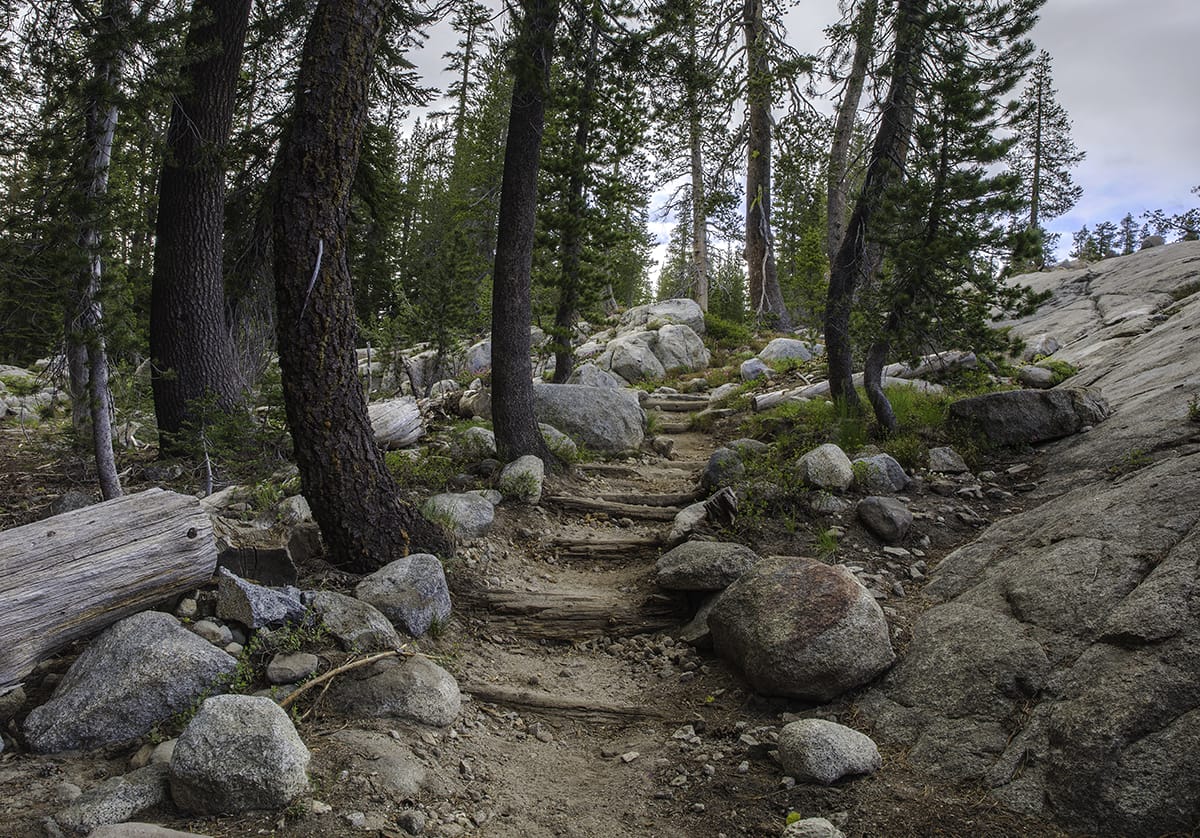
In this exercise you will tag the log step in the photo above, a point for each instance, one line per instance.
(604, 548)
(576, 616)
(619, 510)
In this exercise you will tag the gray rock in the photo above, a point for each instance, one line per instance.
(479, 357)
(11, 703)
(521, 480)
(255, 606)
(411, 821)
(632, 356)
(887, 518)
(141, 671)
(292, 667)
(1152, 241)
(687, 521)
(475, 444)
(681, 349)
(116, 800)
(214, 633)
(389, 764)
(294, 510)
(818, 751)
(703, 566)
(476, 404)
(604, 420)
(724, 467)
(1040, 346)
(880, 474)
(696, 631)
(947, 461)
(411, 592)
(754, 368)
(786, 349)
(1016, 418)
(812, 828)
(357, 625)
(748, 447)
(560, 445)
(826, 467)
(800, 628)
(590, 375)
(723, 392)
(240, 753)
(652, 316)
(1039, 378)
(415, 689)
(141, 830)
(468, 515)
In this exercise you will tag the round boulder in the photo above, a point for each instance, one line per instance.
(416, 690)
(887, 518)
(724, 467)
(826, 467)
(786, 349)
(703, 566)
(818, 751)
(411, 592)
(240, 753)
(801, 629)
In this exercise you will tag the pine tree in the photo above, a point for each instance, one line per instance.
(1044, 153)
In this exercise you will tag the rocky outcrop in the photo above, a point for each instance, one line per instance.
(1060, 664)
(800, 628)
(1020, 418)
(654, 315)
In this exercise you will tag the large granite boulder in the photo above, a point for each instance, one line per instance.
(654, 315)
(357, 626)
(1019, 418)
(141, 671)
(467, 515)
(826, 467)
(786, 349)
(415, 690)
(604, 420)
(240, 753)
(802, 629)
(632, 356)
(590, 375)
(703, 566)
(680, 348)
(411, 592)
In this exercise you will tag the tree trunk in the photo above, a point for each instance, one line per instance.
(857, 258)
(843, 130)
(513, 418)
(353, 496)
(86, 355)
(74, 574)
(873, 384)
(766, 298)
(190, 344)
(699, 193)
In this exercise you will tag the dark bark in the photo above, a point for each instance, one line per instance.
(843, 129)
(572, 242)
(766, 298)
(513, 418)
(353, 496)
(87, 358)
(857, 258)
(696, 166)
(873, 383)
(190, 343)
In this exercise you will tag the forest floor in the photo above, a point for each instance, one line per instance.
(586, 717)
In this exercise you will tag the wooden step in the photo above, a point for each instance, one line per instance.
(605, 547)
(617, 510)
(572, 616)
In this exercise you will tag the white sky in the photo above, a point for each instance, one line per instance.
(1128, 73)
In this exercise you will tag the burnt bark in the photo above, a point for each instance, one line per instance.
(857, 257)
(353, 496)
(513, 418)
(190, 344)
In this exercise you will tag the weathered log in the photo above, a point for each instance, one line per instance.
(765, 401)
(617, 470)
(575, 616)
(74, 574)
(675, 499)
(255, 554)
(604, 548)
(588, 708)
(608, 507)
(396, 422)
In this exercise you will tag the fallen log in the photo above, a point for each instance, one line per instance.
(608, 507)
(588, 708)
(676, 499)
(72, 575)
(604, 548)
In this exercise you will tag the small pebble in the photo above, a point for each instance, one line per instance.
(629, 756)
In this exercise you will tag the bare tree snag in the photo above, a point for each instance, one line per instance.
(74, 574)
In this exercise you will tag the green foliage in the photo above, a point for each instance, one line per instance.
(1060, 370)
(726, 334)
(826, 544)
(424, 469)
(1133, 460)
(19, 385)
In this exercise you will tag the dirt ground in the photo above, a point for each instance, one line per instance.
(646, 736)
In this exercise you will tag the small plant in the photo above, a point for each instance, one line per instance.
(1060, 371)
(426, 469)
(725, 333)
(826, 544)
(1135, 459)
(19, 385)
(1194, 408)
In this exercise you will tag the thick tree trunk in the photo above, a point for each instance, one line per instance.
(72, 575)
(190, 343)
(873, 384)
(766, 298)
(699, 192)
(353, 496)
(87, 359)
(858, 257)
(843, 129)
(513, 418)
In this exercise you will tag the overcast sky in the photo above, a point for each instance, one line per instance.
(1128, 73)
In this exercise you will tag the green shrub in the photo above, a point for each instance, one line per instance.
(725, 333)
